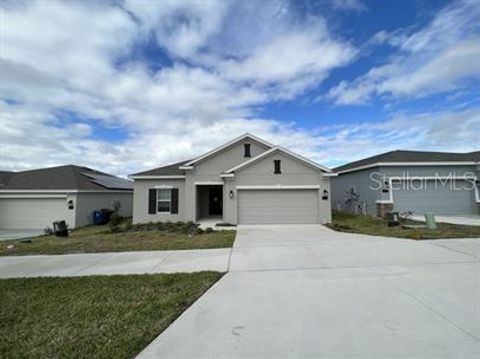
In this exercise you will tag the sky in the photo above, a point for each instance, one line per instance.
(125, 86)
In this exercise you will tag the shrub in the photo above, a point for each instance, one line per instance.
(209, 230)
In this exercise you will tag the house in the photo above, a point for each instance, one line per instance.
(246, 180)
(419, 182)
(34, 199)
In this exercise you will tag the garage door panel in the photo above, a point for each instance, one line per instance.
(439, 199)
(278, 206)
(29, 213)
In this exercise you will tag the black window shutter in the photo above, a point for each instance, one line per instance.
(152, 201)
(174, 207)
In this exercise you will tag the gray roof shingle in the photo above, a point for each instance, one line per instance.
(69, 177)
(5, 177)
(169, 170)
(412, 156)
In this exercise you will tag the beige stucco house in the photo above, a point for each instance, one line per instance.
(245, 181)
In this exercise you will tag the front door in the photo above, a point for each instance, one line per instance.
(215, 201)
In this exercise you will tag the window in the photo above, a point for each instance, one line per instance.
(164, 200)
(278, 167)
(246, 148)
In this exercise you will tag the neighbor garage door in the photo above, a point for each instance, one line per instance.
(438, 199)
(31, 213)
(277, 206)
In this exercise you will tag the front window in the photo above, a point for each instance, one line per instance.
(164, 200)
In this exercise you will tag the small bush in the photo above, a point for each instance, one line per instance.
(189, 228)
(48, 231)
(209, 230)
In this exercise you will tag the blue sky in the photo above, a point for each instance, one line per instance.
(129, 85)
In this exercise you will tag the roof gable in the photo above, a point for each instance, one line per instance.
(228, 145)
(273, 150)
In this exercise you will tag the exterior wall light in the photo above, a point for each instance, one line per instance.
(325, 195)
(231, 194)
(70, 204)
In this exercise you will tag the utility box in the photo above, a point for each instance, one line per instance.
(60, 228)
(430, 220)
(393, 219)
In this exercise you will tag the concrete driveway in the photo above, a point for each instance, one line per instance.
(6, 234)
(308, 292)
(472, 220)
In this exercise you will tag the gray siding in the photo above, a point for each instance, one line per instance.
(364, 180)
(140, 201)
(364, 187)
(86, 203)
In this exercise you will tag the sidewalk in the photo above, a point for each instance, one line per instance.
(67, 265)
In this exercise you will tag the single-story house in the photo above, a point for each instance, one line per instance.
(246, 180)
(409, 181)
(34, 199)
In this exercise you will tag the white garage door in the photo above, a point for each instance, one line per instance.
(277, 206)
(31, 213)
(441, 199)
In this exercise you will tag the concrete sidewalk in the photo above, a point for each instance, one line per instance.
(67, 265)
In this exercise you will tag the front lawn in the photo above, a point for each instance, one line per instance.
(93, 239)
(92, 317)
(353, 223)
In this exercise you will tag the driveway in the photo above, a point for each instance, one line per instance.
(19, 233)
(305, 291)
(472, 220)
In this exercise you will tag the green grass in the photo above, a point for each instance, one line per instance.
(94, 239)
(352, 223)
(92, 317)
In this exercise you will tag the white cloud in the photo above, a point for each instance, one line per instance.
(82, 60)
(441, 57)
(355, 5)
(208, 95)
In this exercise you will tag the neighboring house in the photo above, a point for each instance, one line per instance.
(420, 182)
(247, 180)
(34, 199)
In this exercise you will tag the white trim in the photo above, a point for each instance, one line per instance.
(428, 178)
(185, 168)
(227, 175)
(281, 149)
(64, 196)
(235, 140)
(279, 186)
(159, 177)
(393, 164)
(163, 186)
(206, 183)
(330, 174)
